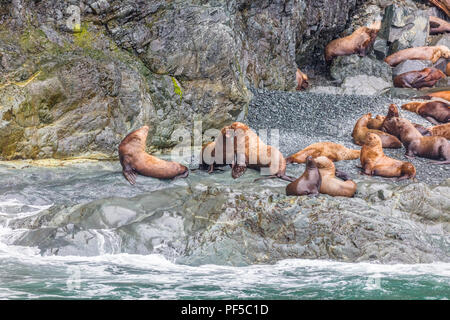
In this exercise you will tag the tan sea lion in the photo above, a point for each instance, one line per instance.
(360, 41)
(376, 123)
(434, 111)
(419, 53)
(419, 79)
(135, 160)
(375, 162)
(442, 130)
(330, 184)
(252, 152)
(438, 25)
(360, 131)
(440, 94)
(433, 147)
(302, 80)
(331, 150)
(308, 183)
(444, 5)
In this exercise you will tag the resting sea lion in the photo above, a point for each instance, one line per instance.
(418, 53)
(360, 41)
(442, 130)
(331, 150)
(135, 160)
(308, 183)
(375, 162)
(376, 123)
(252, 152)
(302, 80)
(434, 111)
(419, 79)
(441, 94)
(330, 184)
(444, 5)
(360, 132)
(433, 147)
(438, 25)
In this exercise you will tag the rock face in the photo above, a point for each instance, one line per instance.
(77, 76)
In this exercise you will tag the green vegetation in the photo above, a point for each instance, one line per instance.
(177, 89)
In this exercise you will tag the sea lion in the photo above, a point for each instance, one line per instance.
(447, 69)
(209, 160)
(419, 79)
(444, 5)
(375, 162)
(393, 112)
(330, 184)
(438, 25)
(442, 130)
(433, 147)
(440, 94)
(419, 53)
(360, 131)
(434, 111)
(252, 152)
(302, 80)
(376, 123)
(331, 150)
(360, 41)
(308, 183)
(135, 160)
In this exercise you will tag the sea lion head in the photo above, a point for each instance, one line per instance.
(444, 51)
(310, 163)
(135, 140)
(372, 140)
(392, 111)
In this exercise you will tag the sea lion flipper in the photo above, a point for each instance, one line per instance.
(130, 175)
(342, 175)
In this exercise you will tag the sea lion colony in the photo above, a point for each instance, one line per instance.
(320, 176)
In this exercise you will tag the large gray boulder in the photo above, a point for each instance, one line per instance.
(354, 65)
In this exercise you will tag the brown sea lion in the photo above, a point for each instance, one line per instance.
(302, 80)
(433, 147)
(438, 25)
(418, 53)
(444, 5)
(330, 184)
(308, 183)
(331, 150)
(393, 112)
(252, 152)
(135, 160)
(375, 162)
(209, 159)
(360, 42)
(442, 130)
(434, 111)
(440, 94)
(447, 69)
(419, 79)
(360, 131)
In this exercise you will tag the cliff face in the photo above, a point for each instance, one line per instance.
(75, 77)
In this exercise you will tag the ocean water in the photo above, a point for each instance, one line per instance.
(26, 274)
